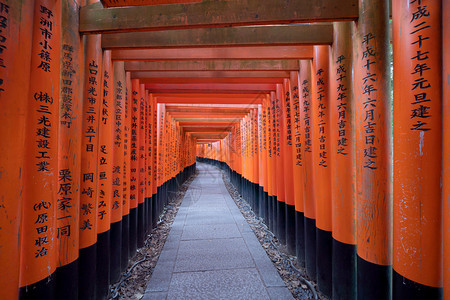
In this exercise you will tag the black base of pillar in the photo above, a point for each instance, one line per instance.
(141, 225)
(42, 290)
(133, 231)
(103, 246)
(310, 247)
(403, 288)
(373, 281)
(344, 271)
(125, 249)
(300, 237)
(281, 222)
(87, 272)
(290, 228)
(66, 281)
(324, 245)
(115, 250)
(262, 203)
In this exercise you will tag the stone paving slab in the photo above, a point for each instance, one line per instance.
(211, 252)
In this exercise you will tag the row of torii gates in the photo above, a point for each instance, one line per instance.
(104, 108)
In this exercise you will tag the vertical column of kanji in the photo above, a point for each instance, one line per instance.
(155, 163)
(16, 21)
(373, 150)
(321, 172)
(417, 136)
(261, 161)
(105, 165)
(268, 146)
(126, 192)
(160, 128)
(297, 172)
(134, 165)
(70, 112)
(307, 184)
(280, 229)
(118, 119)
(256, 155)
(149, 150)
(142, 172)
(342, 168)
(89, 166)
(446, 143)
(288, 168)
(38, 233)
(275, 167)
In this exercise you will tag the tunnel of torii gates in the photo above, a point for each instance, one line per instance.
(104, 108)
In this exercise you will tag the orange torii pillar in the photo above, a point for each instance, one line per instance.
(69, 158)
(280, 229)
(38, 253)
(14, 87)
(417, 136)
(142, 168)
(262, 162)
(272, 160)
(269, 151)
(256, 166)
(105, 163)
(288, 167)
(134, 158)
(155, 163)
(321, 165)
(160, 158)
(307, 184)
(373, 158)
(275, 165)
(92, 97)
(118, 119)
(149, 151)
(446, 143)
(342, 170)
(297, 171)
(126, 192)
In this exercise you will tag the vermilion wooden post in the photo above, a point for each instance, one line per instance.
(142, 170)
(342, 163)
(297, 164)
(417, 136)
(261, 162)
(256, 165)
(126, 192)
(118, 119)
(281, 196)
(373, 148)
(446, 143)
(321, 165)
(288, 167)
(269, 150)
(14, 88)
(69, 156)
(38, 228)
(275, 167)
(149, 150)
(105, 164)
(155, 163)
(308, 191)
(265, 149)
(92, 93)
(134, 158)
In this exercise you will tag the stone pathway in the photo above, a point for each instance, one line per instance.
(211, 252)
